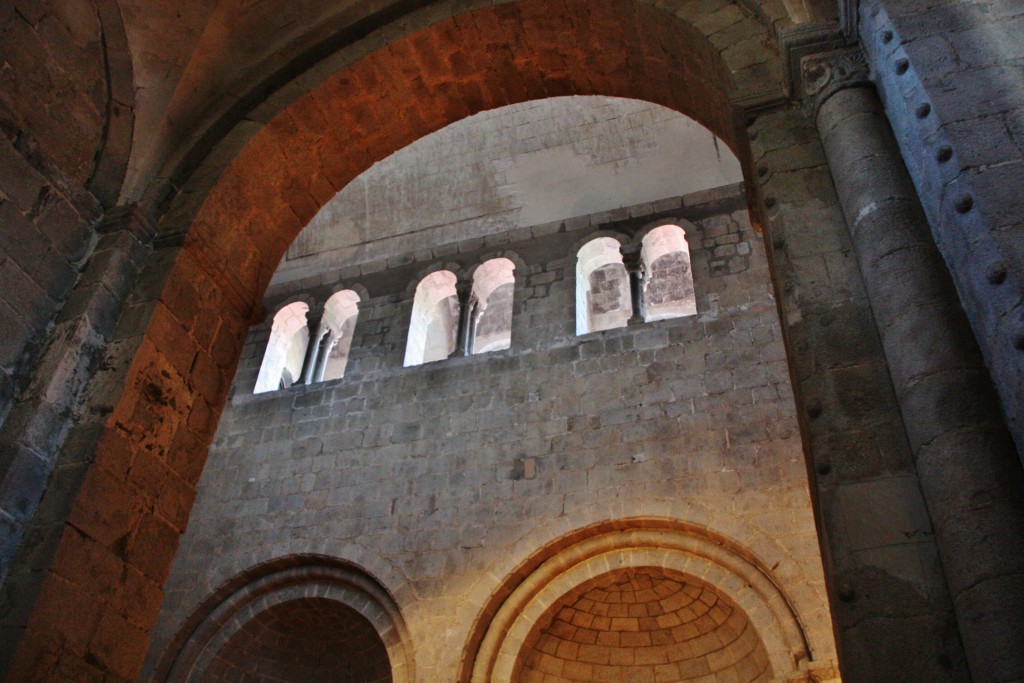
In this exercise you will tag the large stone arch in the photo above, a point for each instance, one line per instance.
(168, 369)
(744, 34)
(268, 587)
(509, 618)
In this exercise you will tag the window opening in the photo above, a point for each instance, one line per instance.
(668, 283)
(435, 320)
(286, 349)
(603, 299)
(491, 306)
(340, 315)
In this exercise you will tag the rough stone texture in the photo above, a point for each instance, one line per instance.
(530, 164)
(440, 480)
(643, 625)
(154, 400)
(314, 640)
(47, 234)
(960, 91)
(961, 447)
(55, 78)
(893, 612)
(40, 420)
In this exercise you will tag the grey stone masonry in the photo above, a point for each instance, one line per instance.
(893, 614)
(950, 76)
(440, 479)
(966, 462)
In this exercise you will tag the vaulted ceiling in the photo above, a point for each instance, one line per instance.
(131, 88)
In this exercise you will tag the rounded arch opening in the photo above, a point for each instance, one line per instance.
(520, 612)
(303, 641)
(435, 319)
(350, 629)
(668, 280)
(603, 299)
(286, 349)
(493, 290)
(643, 624)
(341, 312)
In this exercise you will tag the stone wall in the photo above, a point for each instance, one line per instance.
(440, 480)
(950, 75)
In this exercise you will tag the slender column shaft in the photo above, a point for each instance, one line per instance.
(465, 293)
(635, 267)
(316, 333)
(966, 462)
(327, 345)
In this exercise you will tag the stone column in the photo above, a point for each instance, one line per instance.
(634, 262)
(965, 459)
(317, 331)
(466, 303)
(328, 342)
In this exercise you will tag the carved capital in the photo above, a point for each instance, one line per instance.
(826, 73)
(632, 259)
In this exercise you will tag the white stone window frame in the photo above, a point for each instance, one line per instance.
(659, 239)
(600, 250)
(432, 328)
(289, 327)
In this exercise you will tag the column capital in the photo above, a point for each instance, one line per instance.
(823, 74)
(632, 259)
(464, 291)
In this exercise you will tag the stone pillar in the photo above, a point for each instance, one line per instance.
(328, 343)
(34, 457)
(466, 302)
(317, 331)
(634, 262)
(965, 459)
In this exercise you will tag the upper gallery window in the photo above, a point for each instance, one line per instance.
(668, 283)
(286, 349)
(490, 327)
(435, 319)
(340, 314)
(603, 298)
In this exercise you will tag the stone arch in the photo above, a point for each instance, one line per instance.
(435, 319)
(294, 583)
(643, 623)
(286, 348)
(668, 281)
(341, 312)
(743, 35)
(176, 358)
(494, 283)
(602, 287)
(509, 621)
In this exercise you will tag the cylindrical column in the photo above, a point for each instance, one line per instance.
(327, 345)
(634, 263)
(465, 294)
(316, 333)
(966, 462)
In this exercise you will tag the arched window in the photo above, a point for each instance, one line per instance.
(668, 284)
(493, 287)
(286, 349)
(340, 314)
(435, 319)
(603, 298)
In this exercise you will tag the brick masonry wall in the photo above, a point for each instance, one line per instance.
(440, 479)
